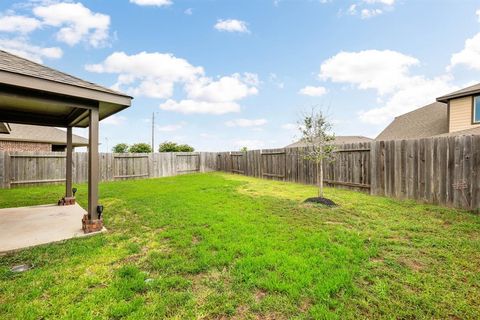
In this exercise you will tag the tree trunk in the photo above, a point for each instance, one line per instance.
(320, 178)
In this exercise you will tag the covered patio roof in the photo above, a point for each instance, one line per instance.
(31, 93)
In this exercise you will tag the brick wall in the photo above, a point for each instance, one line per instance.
(24, 146)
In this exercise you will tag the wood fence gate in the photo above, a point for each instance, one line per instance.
(187, 162)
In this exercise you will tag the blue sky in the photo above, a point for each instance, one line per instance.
(225, 74)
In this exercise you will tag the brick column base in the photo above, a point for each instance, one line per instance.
(66, 201)
(89, 226)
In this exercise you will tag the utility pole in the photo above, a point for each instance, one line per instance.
(153, 132)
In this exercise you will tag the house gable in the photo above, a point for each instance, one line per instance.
(461, 108)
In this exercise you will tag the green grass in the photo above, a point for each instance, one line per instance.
(224, 246)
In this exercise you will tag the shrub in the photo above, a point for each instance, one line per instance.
(120, 148)
(169, 146)
(140, 148)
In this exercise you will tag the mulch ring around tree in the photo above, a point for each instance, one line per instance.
(321, 200)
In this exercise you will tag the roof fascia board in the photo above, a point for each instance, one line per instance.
(447, 98)
(35, 83)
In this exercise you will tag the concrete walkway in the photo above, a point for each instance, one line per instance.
(31, 226)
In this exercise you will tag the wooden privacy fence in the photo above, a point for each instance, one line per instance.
(36, 168)
(442, 170)
(351, 168)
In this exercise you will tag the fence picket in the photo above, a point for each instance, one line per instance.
(444, 170)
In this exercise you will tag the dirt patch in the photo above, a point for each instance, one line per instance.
(196, 240)
(270, 316)
(334, 222)
(411, 264)
(305, 305)
(241, 312)
(259, 295)
(376, 260)
(321, 200)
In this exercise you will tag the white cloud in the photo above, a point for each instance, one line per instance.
(370, 8)
(188, 11)
(114, 120)
(21, 24)
(352, 10)
(188, 106)
(231, 25)
(21, 47)
(469, 56)
(386, 2)
(148, 74)
(155, 75)
(369, 13)
(158, 3)
(370, 69)
(388, 73)
(313, 91)
(418, 93)
(76, 22)
(228, 88)
(246, 122)
(172, 127)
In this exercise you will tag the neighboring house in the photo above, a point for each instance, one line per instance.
(21, 137)
(338, 141)
(457, 113)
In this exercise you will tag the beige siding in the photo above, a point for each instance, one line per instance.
(461, 114)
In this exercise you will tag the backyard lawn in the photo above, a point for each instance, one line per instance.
(227, 246)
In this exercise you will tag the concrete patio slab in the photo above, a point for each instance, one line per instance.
(32, 226)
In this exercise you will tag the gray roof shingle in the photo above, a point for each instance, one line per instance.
(28, 133)
(15, 64)
(428, 121)
(338, 140)
(466, 132)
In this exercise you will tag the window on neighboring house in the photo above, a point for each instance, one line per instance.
(476, 110)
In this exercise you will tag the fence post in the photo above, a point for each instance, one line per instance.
(7, 170)
(2, 169)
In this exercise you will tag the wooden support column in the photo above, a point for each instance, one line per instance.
(93, 165)
(69, 166)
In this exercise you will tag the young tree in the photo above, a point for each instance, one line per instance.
(316, 134)
(140, 148)
(169, 146)
(243, 149)
(120, 148)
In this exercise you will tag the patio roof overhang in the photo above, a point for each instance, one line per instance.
(31, 100)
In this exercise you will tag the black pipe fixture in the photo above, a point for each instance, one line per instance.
(100, 211)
